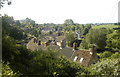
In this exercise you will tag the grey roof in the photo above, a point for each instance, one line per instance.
(56, 47)
(59, 38)
(67, 51)
(47, 28)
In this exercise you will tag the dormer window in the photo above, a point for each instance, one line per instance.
(75, 58)
(60, 47)
(91, 53)
(81, 60)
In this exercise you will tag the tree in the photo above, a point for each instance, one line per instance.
(96, 36)
(105, 54)
(9, 28)
(108, 67)
(86, 29)
(68, 22)
(113, 40)
(70, 37)
(2, 2)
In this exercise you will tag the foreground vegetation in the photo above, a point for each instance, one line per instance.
(18, 60)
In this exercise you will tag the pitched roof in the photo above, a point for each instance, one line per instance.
(67, 51)
(87, 56)
(59, 38)
(31, 45)
(47, 28)
(56, 47)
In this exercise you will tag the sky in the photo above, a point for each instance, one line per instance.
(57, 11)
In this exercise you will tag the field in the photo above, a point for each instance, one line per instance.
(104, 26)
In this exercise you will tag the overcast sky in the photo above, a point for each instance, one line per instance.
(56, 11)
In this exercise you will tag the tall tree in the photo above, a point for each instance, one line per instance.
(113, 40)
(96, 36)
(68, 22)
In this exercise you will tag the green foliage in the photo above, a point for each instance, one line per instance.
(106, 54)
(18, 59)
(8, 48)
(23, 62)
(96, 36)
(70, 37)
(84, 44)
(104, 26)
(28, 21)
(113, 40)
(108, 67)
(116, 55)
(6, 70)
(86, 29)
(10, 28)
(65, 67)
(68, 22)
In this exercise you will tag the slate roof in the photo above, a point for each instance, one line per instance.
(59, 38)
(116, 28)
(67, 51)
(47, 28)
(56, 47)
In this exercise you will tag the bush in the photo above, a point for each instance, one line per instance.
(105, 54)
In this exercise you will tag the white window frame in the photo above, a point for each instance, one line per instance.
(75, 58)
(81, 60)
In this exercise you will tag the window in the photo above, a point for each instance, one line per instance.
(75, 58)
(91, 53)
(81, 60)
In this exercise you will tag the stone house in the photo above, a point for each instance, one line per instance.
(85, 57)
(60, 41)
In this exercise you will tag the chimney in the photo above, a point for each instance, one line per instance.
(39, 42)
(93, 49)
(74, 46)
(62, 44)
(34, 40)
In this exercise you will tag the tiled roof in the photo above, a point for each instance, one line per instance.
(31, 45)
(87, 56)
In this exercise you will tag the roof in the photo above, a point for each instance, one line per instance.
(46, 38)
(59, 38)
(47, 28)
(86, 55)
(67, 51)
(31, 45)
(56, 47)
(116, 28)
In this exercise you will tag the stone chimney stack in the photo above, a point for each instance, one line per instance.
(74, 46)
(93, 49)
